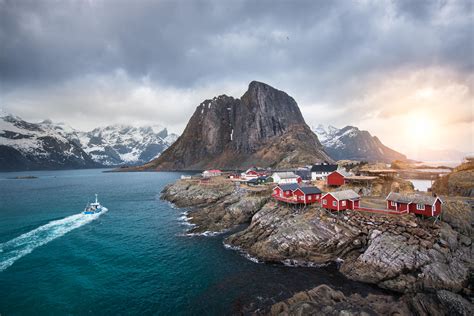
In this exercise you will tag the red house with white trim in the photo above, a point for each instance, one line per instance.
(294, 194)
(416, 203)
(340, 200)
(337, 178)
(285, 190)
(308, 195)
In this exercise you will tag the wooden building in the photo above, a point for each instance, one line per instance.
(415, 203)
(337, 178)
(340, 200)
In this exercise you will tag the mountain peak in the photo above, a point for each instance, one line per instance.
(352, 143)
(264, 127)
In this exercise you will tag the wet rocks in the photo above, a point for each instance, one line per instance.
(324, 300)
(215, 207)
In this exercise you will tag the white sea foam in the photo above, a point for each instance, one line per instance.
(242, 252)
(22, 245)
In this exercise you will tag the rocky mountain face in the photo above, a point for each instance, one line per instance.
(48, 145)
(264, 127)
(28, 146)
(351, 143)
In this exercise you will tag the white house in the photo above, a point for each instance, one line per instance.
(285, 177)
(322, 171)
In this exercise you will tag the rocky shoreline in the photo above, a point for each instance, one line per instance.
(428, 264)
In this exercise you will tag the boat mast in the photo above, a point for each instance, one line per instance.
(96, 198)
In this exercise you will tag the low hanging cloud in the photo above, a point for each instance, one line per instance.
(101, 62)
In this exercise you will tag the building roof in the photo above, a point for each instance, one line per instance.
(310, 190)
(289, 186)
(286, 175)
(323, 168)
(344, 195)
(213, 171)
(412, 198)
(304, 174)
(343, 173)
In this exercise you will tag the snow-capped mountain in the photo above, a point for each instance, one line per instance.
(49, 145)
(354, 144)
(117, 145)
(30, 146)
(125, 145)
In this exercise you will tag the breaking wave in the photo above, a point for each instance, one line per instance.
(22, 245)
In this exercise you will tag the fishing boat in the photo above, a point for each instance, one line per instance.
(94, 208)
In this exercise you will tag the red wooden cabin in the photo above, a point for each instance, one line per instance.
(337, 178)
(294, 194)
(284, 190)
(340, 200)
(416, 203)
(308, 195)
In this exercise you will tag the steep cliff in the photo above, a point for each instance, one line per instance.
(264, 127)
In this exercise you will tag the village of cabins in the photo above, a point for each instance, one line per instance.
(295, 188)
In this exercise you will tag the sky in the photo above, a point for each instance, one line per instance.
(403, 70)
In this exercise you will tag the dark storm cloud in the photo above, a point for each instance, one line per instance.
(101, 62)
(181, 43)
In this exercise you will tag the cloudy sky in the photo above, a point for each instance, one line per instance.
(404, 70)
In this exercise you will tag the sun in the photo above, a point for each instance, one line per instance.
(422, 129)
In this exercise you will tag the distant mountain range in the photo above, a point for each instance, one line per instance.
(264, 127)
(352, 143)
(48, 145)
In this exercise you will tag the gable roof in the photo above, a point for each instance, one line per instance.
(344, 195)
(412, 198)
(310, 190)
(286, 175)
(304, 174)
(343, 173)
(289, 186)
(323, 168)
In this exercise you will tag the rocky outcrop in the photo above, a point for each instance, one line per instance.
(264, 127)
(458, 182)
(399, 253)
(216, 206)
(323, 300)
(429, 264)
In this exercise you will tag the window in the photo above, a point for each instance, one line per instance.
(325, 202)
(420, 207)
(343, 203)
(334, 203)
(393, 203)
(309, 198)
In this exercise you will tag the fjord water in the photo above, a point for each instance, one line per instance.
(133, 259)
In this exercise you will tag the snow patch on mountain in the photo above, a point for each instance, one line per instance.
(120, 144)
(354, 144)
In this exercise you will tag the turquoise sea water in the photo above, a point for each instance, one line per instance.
(133, 259)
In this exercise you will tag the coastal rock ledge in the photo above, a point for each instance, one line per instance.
(214, 207)
(428, 264)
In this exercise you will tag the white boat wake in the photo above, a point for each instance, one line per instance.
(22, 245)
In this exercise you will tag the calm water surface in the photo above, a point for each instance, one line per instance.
(133, 259)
